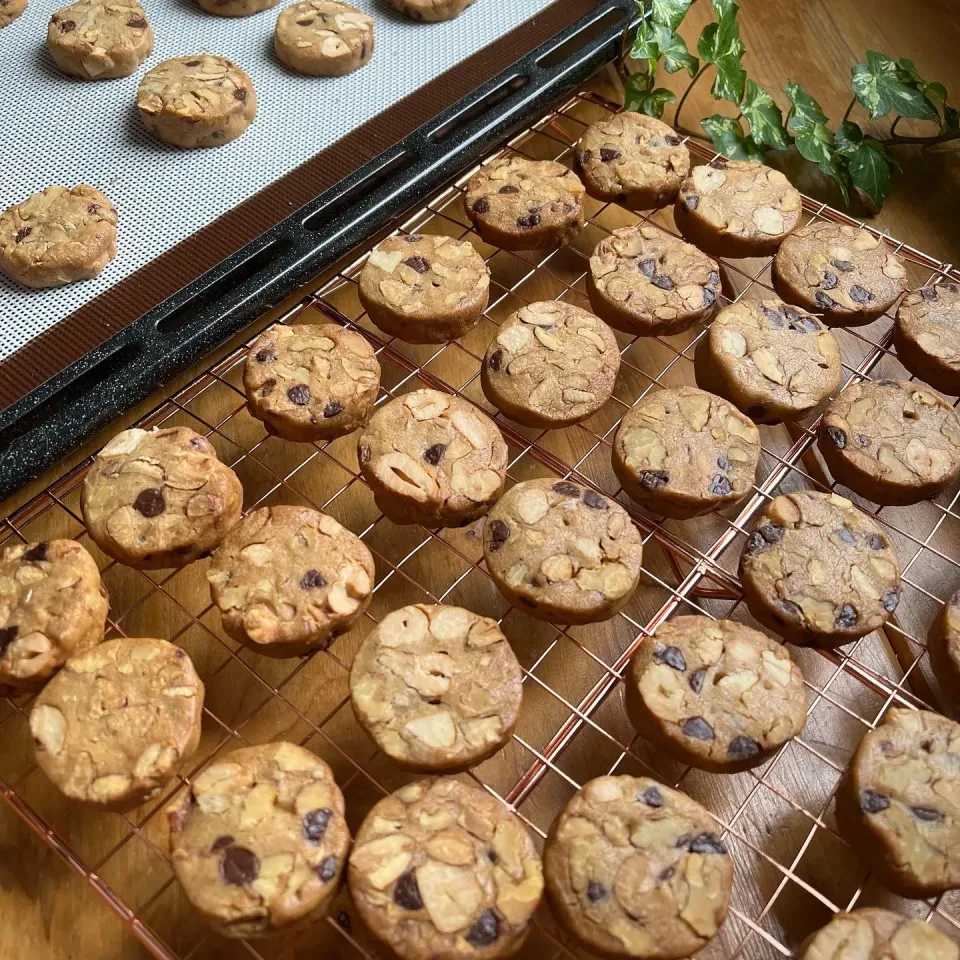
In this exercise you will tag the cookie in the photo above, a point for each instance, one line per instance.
(927, 335)
(112, 726)
(311, 382)
(443, 869)
(52, 606)
(943, 645)
(196, 101)
(425, 289)
(97, 41)
(635, 869)
(736, 208)
(682, 452)
(519, 204)
(899, 804)
(550, 365)
(437, 688)
(259, 841)
(561, 552)
(58, 236)
(818, 571)
(647, 283)
(323, 38)
(287, 580)
(715, 694)
(430, 11)
(871, 933)
(433, 459)
(10, 10)
(235, 8)
(773, 361)
(159, 498)
(893, 442)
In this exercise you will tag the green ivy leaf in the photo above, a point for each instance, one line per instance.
(815, 143)
(729, 81)
(764, 116)
(654, 41)
(721, 38)
(952, 117)
(837, 167)
(645, 45)
(848, 138)
(638, 85)
(728, 137)
(670, 13)
(881, 85)
(870, 170)
(806, 111)
(652, 103)
(908, 71)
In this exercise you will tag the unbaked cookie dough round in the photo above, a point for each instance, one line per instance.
(113, 725)
(437, 688)
(943, 645)
(550, 365)
(927, 335)
(443, 869)
(94, 40)
(196, 101)
(259, 841)
(58, 236)
(634, 869)
(818, 571)
(323, 38)
(10, 10)
(430, 11)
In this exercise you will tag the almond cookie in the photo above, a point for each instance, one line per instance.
(646, 282)
(425, 289)
(259, 841)
(550, 365)
(323, 38)
(736, 208)
(443, 869)
(311, 382)
(943, 645)
(196, 101)
(159, 498)
(715, 694)
(430, 11)
(927, 335)
(893, 442)
(10, 10)
(433, 459)
(113, 725)
(561, 552)
(58, 236)
(682, 452)
(437, 688)
(774, 362)
(97, 41)
(635, 869)
(287, 580)
(519, 204)
(845, 273)
(818, 571)
(52, 606)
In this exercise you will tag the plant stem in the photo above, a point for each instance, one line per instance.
(850, 107)
(926, 141)
(683, 99)
(893, 128)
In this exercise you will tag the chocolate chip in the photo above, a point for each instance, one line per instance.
(755, 543)
(567, 488)
(67, 26)
(496, 360)
(482, 206)
(844, 265)
(714, 278)
(240, 94)
(93, 208)
(696, 679)
(327, 869)
(331, 410)
(266, 356)
(654, 479)
(652, 797)
(192, 63)
(705, 843)
(928, 293)
(433, 455)
(876, 542)
(343, 920)
(221, 842)
(526, 223)
(150, 502)
(609, 154)
(791, 609)
(664, 875)
(491, 855)
(299, 394)
(846, 535)
(647, 267)
(723, 463)
(927, 813)
(596, 891)
(314, 824)
(837, 437)
(37, 552)
(7, 636)
(413, 238)
(804, 325)
(720, 486)
(771, 532)
(741, 748)
(662, 281)
(363, 452)
(22, 234)
(829, 281)
(239, 866)
(671, 656)
(860, 294)
(585, 157)
(311, 580)
(873, 802)
(672, 141)
(698, 728)
(406, 893)
(509, 188)
(847, 617)
(690, 201)
(485, 931)
(420, 264)
(593, 500)
(823, 301)
(890, 599)
(774, 317)
(499, 534)
(138, 23)
(718, 164)
(267, 388)
(709, 297)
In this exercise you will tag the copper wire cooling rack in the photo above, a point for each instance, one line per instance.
(792, 870)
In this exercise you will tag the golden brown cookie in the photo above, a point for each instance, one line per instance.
(927, 335)
(97, 41)
(323, 38)
(10, 10)
(430, 11)
(943, 645)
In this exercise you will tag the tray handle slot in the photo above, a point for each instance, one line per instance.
(476, 110)
(563, 50)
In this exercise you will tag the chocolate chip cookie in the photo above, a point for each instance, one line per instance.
(259, 841)
(430, 11)
(635, 869)
(323, 38)
(818, 571)
(10, 10)
(443, 869)
(893, 442)
(98, 41)
(927, 335)
(550, 365)
(943, 645)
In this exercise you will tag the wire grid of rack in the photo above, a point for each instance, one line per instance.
(793, 870)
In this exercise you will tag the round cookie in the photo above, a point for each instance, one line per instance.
(430, 11)
(113, 725)
(10, 10)
(519, 204)
(561, 552)
(682, 452)
(927, 335)
(736, 208)
(433, 459)
(550, 365)
(52, 606)
(871, 933)
(437, 688)
(287, 580)
(898, 804)
(97, 41)
(196, 101)
(443, 869)
(632, 159)
(715, 694)
(774, 362)
(311, 382)
(58, 236)
(647, 283)
(893, 442)
(425, 289)
(159, 498)
(818, 571)
(323, 38)
(259, 840)
(635, 869)
(943, 645)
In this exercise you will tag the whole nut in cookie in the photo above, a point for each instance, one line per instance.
(443, 869)
(10, 10)
(159, 498)
(323, 38)
(259, 840)
(927, 335)
(97, 41)
(430, 11)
